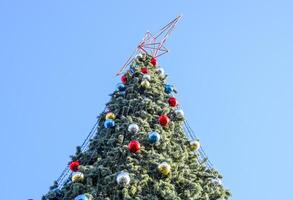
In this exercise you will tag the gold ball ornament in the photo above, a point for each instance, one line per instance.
(164, 168)
(77, 177)
(194, 145)
(145, 84)
(110, 115)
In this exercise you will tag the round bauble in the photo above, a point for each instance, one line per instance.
(123, 178)
(160, 72)
(85, 196)
(194, 145)
(133, 128)
(139, 55)
(121, 87)
(77, 177)
(154, 61)
(164, 168)
(109, 123)
(146, 77)
(73, 166)
(169, 89)
(145, 84)
(134, 146)
(110, 115)
(179, 114)
(154, 137)
(144, 70)
(217, 181)
(172, 101)
(124, 79)
(164, 120)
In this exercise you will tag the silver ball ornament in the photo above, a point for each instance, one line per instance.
(133, 128)
(123, 178)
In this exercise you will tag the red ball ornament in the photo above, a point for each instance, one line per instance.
(124, 79)
(164, 120)
(154, 61)
(144, 70)
(134, 146)
(172, 101)
(74, 166)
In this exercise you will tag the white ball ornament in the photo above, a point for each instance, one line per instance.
(161, 72)
(217, 181)
(194, 145)
(123, 178)
(133, 128)
(146, 77)
(179, 113)
(77, 177)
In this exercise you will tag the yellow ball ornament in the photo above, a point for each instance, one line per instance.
(77, 177)
(164, 168)
(110, 115)
(145, 84)
(194, 145)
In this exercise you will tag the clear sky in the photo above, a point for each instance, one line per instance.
(231, 62)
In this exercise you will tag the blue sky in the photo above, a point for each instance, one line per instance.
(231, 62)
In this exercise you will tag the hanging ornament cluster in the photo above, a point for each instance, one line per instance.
(109, 123)
(124, 79)
(179, 114)
(133, 128)
(134, 146)
(194, 145)
(164, 120)
(73, 166)
(77, 177)
(154, 137)
(164, 168)
(85, 196)
(172, 101)
(154, 61)
(144, 70)
(110, 115)
(121, 87)
(123, 178)
(169, 89)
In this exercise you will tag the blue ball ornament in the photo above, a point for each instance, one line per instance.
(81, 197)
(154, 137)
(109, 123)
(169, 89)
(121, 87)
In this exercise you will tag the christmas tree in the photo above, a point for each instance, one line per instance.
(139, 148)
